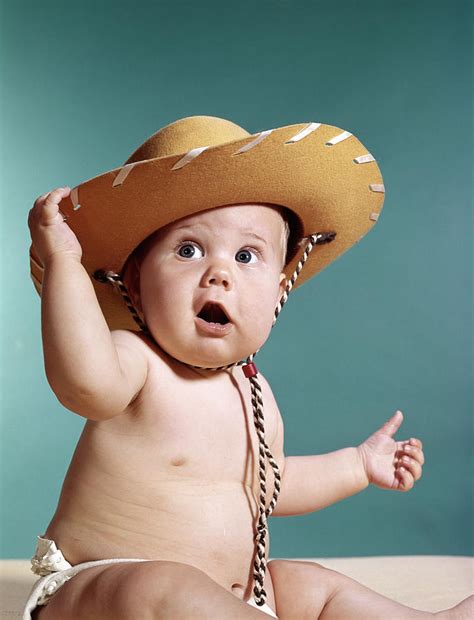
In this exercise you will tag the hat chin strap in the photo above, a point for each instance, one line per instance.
(251, 372)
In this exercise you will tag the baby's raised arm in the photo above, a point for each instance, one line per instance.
(90, 372)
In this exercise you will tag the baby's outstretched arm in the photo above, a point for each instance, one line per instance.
(91, 372)
(310, 483)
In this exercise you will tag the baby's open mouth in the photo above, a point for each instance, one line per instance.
(212, 312)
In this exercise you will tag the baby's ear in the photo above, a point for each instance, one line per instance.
(282, 283)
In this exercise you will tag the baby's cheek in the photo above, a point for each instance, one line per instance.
(260, 318)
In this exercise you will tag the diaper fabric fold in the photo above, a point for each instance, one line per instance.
(48, 558)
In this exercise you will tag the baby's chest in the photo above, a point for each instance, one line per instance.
(208, 434)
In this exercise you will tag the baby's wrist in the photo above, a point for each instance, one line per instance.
(360, 467)
(61, 258)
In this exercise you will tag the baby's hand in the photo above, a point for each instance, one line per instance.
(391, 464)
(50, 234)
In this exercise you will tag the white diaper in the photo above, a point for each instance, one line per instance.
(265, 608)
(49, 562)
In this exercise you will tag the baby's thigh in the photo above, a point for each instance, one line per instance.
(302, 589)
(121, 591)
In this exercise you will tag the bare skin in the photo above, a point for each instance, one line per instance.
(173, 478)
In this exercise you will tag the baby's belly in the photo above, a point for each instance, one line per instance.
(209, 525)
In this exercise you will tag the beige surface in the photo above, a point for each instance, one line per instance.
(426, 582)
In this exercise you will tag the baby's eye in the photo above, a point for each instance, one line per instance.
(244, 254)
(187, 250)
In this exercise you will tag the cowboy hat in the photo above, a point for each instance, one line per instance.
(323, 174)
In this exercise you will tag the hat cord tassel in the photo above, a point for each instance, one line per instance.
(251, 372)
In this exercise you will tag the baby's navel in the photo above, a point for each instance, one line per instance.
(238, 589)
(178, 461)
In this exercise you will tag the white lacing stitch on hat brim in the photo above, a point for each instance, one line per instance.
(364, 159)
(261, 136)
(74, 196)
(339, 138)
(190, 155)
(377, 187)
(123, 174)
(303, 133)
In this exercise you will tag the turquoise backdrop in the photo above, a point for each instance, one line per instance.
(386, 326)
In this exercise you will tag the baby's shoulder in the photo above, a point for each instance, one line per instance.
(139, 354)
(133, 342)
(127, 336)
(266, 389)
(143, 349)
(139, 342)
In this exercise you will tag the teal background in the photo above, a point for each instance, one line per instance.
(386, 326)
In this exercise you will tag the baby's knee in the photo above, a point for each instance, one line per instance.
(290, 575)
(301, 588)
(283, 568)
(156, 581)
(173, 589)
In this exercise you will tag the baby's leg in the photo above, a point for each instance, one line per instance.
(152, 590)
(306, 590)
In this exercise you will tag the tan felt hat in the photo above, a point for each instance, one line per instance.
(323, 174)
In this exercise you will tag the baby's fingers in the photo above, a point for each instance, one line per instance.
(415, 453)
(51, 204)
(416, 442)
(405, 479)
(413, 466)
(46, 207)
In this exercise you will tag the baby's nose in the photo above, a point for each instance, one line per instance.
(219, 276)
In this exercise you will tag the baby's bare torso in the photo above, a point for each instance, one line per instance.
(175, 477)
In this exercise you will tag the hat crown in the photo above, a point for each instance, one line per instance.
(188, 133)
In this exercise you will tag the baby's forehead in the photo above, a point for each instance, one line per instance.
(262, 219)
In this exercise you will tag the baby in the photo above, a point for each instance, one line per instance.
(164, 480)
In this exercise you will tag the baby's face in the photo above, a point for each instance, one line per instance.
(213, 256)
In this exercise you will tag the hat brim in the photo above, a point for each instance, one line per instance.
(318, 177)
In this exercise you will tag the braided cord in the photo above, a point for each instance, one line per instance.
(251, 372)
(260, 563)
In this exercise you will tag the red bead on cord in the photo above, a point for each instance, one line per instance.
(250, 370)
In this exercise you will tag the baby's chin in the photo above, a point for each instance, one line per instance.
(206, 355)
(203, 359)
